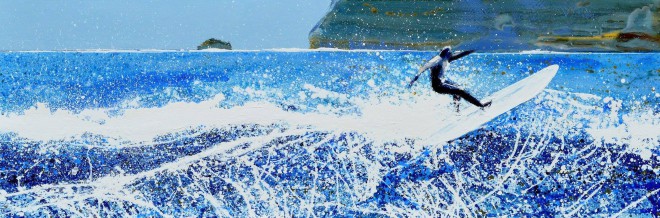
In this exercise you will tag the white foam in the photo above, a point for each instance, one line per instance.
(639, 130)
(380, 118)
(322, 93)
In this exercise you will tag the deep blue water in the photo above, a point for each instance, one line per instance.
(72, 124)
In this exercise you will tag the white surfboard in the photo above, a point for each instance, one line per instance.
(504, 100)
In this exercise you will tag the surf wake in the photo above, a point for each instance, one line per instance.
(321, 134)
(322, 163)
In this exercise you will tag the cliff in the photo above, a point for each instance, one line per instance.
(490, 25)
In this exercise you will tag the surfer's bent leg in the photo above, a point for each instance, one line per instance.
(445, 88)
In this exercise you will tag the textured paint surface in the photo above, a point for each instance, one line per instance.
(321, 133)
(491, 26)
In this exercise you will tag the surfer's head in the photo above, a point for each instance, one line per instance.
(446, 52)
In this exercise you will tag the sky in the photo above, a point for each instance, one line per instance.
(156, 24)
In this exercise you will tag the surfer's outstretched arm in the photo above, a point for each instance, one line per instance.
(419, 73)
(433, 62)
(413, 81)
(460, 55)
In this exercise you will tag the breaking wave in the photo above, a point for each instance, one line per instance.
(347, 144)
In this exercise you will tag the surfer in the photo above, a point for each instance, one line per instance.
(439, 64)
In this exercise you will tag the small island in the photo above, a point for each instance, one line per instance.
(214, 43)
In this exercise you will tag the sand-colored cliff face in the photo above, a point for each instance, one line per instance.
(491, 25)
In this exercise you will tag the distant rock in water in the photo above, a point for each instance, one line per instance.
(214, 43)
(491, 26)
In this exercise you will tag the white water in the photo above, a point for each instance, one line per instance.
(381, 119)
(385, 119)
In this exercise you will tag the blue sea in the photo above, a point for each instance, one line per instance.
(322, 133)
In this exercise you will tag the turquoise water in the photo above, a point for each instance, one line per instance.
(321, 133)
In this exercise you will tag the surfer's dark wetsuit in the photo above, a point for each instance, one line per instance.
(448, 87)
(445, 86)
